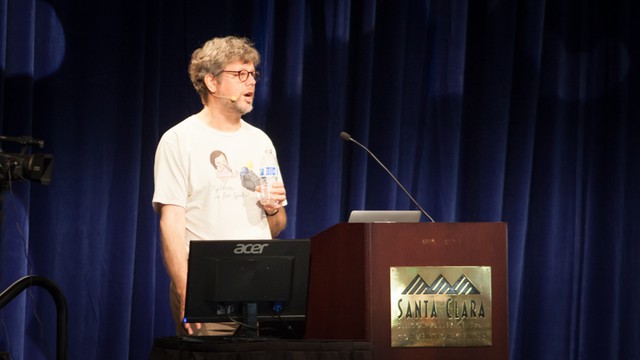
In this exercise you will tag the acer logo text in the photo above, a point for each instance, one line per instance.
(249, 248)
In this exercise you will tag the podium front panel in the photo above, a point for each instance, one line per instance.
(349, 287)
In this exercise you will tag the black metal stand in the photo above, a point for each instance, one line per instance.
(61, 305)
(250, 318)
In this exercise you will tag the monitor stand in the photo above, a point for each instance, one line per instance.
(250, 319)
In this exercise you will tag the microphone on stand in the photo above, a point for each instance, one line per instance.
(346, 137)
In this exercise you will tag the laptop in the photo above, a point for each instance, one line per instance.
(385, 216)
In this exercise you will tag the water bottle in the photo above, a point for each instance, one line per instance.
(268, 175)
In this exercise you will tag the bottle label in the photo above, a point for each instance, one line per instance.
(268, 171)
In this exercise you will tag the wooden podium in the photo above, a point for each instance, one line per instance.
(349, 285)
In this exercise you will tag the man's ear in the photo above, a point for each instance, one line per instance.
(210, 82)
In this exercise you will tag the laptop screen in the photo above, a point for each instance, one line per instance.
(385, 216)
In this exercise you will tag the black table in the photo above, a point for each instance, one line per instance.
(214, 348)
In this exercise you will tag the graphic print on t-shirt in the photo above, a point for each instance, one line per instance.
(220, 163)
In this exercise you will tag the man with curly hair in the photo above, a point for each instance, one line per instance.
(206, 187)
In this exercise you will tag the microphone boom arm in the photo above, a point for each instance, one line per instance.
(347, 137)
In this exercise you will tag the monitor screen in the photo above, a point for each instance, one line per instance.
(228, 278)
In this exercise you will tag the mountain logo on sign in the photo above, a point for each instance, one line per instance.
(418, 286)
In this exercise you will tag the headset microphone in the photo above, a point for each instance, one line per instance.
(230, 98)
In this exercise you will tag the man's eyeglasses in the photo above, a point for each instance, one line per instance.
(243, 75)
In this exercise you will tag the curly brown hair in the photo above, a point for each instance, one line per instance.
(217, 53)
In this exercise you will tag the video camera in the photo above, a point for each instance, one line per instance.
(35, 167)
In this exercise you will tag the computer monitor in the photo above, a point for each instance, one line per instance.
(252, 282)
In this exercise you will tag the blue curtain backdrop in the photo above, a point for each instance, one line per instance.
(519, 111)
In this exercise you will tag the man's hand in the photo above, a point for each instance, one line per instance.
(188, 327)
(278, 197)
(276, 214)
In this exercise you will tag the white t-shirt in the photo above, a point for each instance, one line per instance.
(213, 175)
